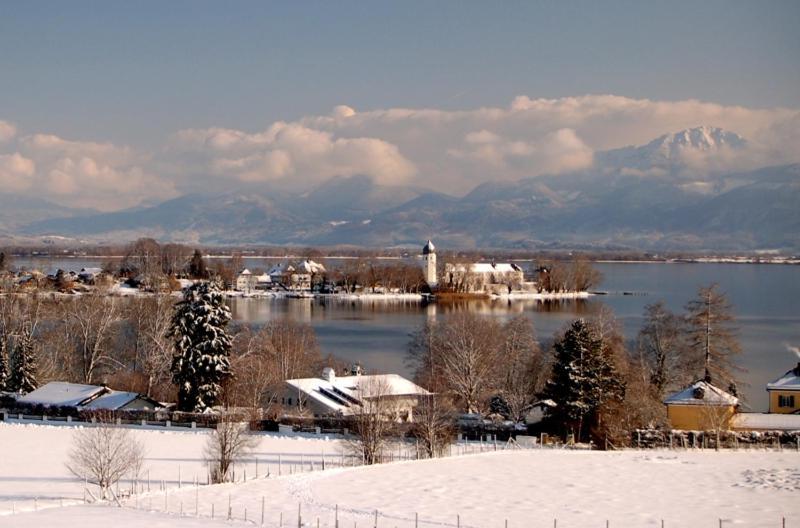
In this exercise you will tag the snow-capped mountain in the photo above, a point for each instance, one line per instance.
(614, 204)
(669, 153)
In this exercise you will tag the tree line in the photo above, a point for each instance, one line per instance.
(591, 383)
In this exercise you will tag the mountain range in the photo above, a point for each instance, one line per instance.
(644, 197)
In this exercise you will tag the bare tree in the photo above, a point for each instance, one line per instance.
(229, 442)
(661, 347)
(434, 425)
(712, 335)
(583, 276)
(150, 319)
(468, 346)
(104, 454)
(89, 324)
(372, 421)
(521, 368)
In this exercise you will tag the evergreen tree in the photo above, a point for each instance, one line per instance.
(582, 380)
(197, 266)
(23, 371)
(201, 362)
(712, 335)
(3, 364)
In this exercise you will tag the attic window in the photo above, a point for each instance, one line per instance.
(698, 393)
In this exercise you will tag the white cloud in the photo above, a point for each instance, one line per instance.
(451, 151)
(16, 172)
(7, 131)
(81, 174)
(291, 151)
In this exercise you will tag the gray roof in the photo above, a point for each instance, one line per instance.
(63, 393)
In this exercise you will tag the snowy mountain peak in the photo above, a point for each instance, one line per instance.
(668, 152)
(703, 138)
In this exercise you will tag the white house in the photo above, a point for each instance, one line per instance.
(246, 281)
(63, 394)
(487, 277)
(299, 276)
(330, 395)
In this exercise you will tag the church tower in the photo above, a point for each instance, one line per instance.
(429, 264)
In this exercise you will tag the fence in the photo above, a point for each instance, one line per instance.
(56, 420)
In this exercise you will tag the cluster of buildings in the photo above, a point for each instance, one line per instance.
(703, 406)
(297, 276)
(463, 277)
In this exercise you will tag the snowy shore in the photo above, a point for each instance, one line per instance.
(530, 487)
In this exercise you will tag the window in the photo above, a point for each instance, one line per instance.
(289, 401)
(785, 401)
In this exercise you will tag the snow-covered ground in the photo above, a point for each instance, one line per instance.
(528, 488)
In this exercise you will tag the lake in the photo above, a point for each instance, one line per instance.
(766, 301)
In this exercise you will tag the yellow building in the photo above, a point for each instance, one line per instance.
(784, 393)
(701, 407)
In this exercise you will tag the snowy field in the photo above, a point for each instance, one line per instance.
(528, 488)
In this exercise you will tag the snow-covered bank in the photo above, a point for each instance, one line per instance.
(554, 296)
(526, 487)
(33, 471)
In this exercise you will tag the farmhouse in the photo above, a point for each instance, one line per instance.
(784, 393)
(63, 394)
(389, 394)
(701, 406)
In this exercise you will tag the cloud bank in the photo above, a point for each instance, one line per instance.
(449, 151)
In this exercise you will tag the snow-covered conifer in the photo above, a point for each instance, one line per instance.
(23, 368)
(202, 346)
(583, 377)
(3, 364)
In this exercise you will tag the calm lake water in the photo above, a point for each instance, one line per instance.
(766, 300)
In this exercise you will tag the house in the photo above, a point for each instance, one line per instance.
(246, 281)
(299, 276)
(390, 394)
(95, 397)
(701, 406)
(485, 277)
(88, 275)
(784, 392)
(263, 281)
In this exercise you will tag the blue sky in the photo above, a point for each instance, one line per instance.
(134, 71)
(166, 97)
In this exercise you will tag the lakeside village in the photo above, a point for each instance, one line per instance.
(148, 268)
(157, 362)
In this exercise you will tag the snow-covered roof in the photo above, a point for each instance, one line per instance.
(428, 248)
(264, 278)
(701, 393)
(766, 421)
(63, 394)
(280, 269)
(112, 400)
(91, 271)
(339, 394)
(309, 266)
(489, 267)
(245, 272)
(789, 381)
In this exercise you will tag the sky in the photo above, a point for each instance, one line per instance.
(169, 97)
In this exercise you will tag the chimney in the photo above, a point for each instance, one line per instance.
(797, 369)
(329, 374)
